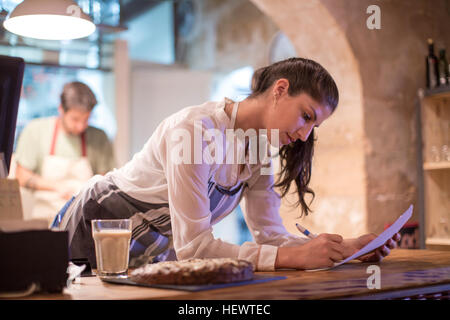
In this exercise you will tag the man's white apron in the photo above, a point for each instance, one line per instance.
(67, 173)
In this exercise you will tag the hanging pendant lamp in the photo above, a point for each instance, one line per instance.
(49, 20)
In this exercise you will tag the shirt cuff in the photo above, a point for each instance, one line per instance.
(267, 257)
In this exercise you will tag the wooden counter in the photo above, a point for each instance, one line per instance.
(404, 273)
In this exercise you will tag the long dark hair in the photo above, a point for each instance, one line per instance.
(304, 76)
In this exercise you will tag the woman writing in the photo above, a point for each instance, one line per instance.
(173, 198)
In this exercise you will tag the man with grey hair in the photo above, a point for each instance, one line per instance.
(56, 155)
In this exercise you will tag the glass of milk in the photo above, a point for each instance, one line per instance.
(112, 246)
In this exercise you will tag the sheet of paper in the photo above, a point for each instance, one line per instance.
(380, 240)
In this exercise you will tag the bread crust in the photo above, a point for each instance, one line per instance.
(194, 272)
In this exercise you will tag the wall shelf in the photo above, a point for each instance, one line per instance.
(437, 93)
(436, 165)
(438, 241)
(433, 119)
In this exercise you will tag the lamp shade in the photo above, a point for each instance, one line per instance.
(49, 20)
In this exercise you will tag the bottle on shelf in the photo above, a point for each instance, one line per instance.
(444, 76)
(432, 67)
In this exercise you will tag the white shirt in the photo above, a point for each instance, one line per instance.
(154, 175)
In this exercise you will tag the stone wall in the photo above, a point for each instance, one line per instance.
(391, 68)
(364, 170)
(227, 35)
(392, 65)
(338, 174)
(237, 33)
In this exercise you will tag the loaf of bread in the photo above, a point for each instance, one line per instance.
(194, 272)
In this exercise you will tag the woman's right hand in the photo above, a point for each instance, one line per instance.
(320, 252)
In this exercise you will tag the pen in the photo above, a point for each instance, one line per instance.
(305, 231)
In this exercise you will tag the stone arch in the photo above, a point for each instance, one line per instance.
(339, 178)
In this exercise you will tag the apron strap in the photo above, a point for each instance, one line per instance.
(83, 144)
(55, 135)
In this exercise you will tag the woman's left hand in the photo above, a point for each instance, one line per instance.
(376, 255)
